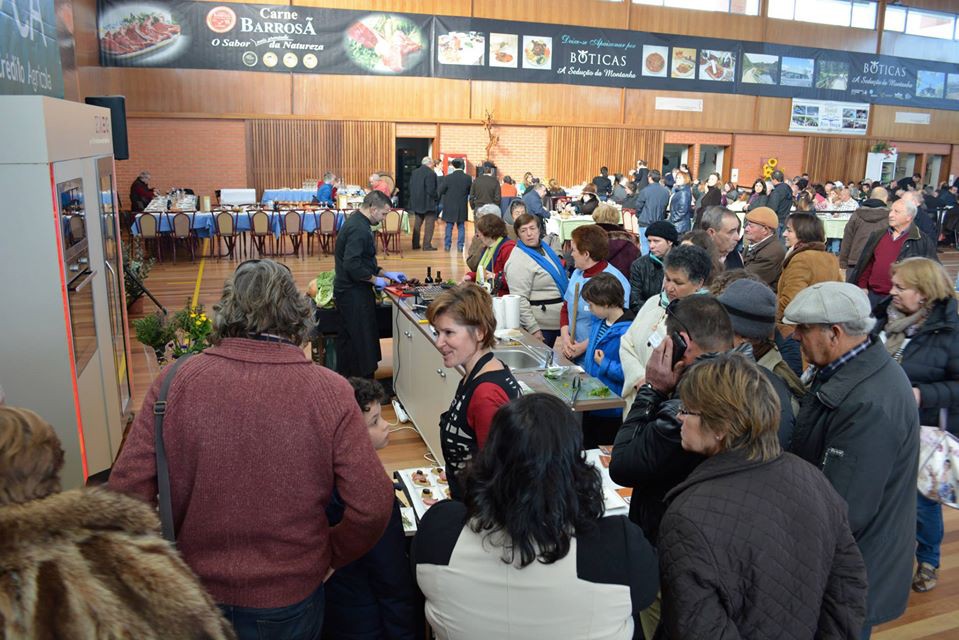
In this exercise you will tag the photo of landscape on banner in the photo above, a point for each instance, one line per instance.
(292, 39)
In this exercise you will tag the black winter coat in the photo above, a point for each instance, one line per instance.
(931, 361)
(780, 200)
(645, 280)
(861, 427)
(454, 190)
(753, 549)
(917, 245)
(423, 196)
(374, 597)
(712, 198)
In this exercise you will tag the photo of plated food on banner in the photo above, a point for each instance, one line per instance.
(760, 68)
(141, 35)
(384, 43)
(537, 52)
(717, 65)
(654, 60)
(503, 48)
(456, 47)
(684, 63)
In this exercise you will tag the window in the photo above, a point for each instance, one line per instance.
(927, 24)
(744, 7)
(843, 13)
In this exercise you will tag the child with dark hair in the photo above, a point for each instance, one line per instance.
(374, 597)
(606, 297)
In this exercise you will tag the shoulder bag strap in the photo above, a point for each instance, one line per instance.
(163, 471)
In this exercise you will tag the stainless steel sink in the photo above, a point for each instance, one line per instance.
(519, 358)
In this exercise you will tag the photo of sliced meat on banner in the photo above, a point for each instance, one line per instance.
(141, 32)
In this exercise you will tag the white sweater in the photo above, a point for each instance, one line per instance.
(634, 349)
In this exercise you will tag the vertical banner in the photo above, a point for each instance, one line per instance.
(29, 52)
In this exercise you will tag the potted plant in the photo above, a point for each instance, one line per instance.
(188, 331)
(136, 268)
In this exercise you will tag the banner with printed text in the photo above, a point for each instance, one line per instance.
(292, 39)
(29, 52)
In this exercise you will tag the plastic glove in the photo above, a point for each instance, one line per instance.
(396, 276)
(380, 283)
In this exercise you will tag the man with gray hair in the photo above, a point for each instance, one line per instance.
(140, 192)
(859, 423)
(423, 203)
(722, 225)
(901, 240)
(324, 193)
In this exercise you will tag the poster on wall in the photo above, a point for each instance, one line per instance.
(29, 52)
(294, 39)
(821, 116)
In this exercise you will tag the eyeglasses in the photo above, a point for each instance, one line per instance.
(256, 260)
(683, 411)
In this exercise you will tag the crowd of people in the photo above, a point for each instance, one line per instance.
(773, 396)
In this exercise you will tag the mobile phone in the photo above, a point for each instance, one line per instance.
(679, 347)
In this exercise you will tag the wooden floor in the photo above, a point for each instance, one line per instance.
(933, 615)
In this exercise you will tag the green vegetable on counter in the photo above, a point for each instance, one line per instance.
(600, 392)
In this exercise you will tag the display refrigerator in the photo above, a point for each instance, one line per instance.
(64, 348)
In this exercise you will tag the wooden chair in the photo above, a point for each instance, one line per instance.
(292, 227)
(260, 231)
(225, 223)
(390, 231)
(326, 230)
(148, 229)
(182, 228)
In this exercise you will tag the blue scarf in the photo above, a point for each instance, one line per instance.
(552, 265)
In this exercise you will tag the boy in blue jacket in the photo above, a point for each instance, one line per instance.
(606, 298)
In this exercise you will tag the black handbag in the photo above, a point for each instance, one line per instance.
(163, 471)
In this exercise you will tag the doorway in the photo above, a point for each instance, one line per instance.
(906, 165)
(409, 156)
(933, 173)
(675, 155)
(710, 160)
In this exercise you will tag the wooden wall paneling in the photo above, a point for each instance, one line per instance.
(943, 126)
(590, 13)
(772, 114)
(810, 34)
(908, 46)
(192, 91)
(86, 48)
(435, 7)
(287, 152)
(380, 97)
(834, 158)
(710, 24)
(577, 153)
(720, 112)
(545, 103)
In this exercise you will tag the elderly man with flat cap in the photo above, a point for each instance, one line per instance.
(860, 425)
(765, 253)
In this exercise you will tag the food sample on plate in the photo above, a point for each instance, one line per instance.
(461, 48)
(139, 34)
(440, 474)
(420, 478)
(537, 52)
(716, 65)
(428, 499)
(384, 43)
(684, 63)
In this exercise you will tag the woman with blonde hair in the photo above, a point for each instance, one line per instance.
(920, 328)
(777, 558)
(623, 248)
(85, 563)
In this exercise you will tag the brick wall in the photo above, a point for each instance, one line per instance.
(201, 154)
(520, 149)
(750, 153)
(414, 130)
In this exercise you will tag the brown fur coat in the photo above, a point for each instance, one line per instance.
(90, 563)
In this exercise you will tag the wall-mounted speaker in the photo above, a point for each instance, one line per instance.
(118, 122)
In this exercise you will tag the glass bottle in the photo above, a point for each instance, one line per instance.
(429, 276)
(439, 278)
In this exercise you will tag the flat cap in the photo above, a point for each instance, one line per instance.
(828, 303)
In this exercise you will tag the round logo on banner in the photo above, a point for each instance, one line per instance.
(290, 60)
(309, 61)
(221, 19)
(250, 58)
(270, 59)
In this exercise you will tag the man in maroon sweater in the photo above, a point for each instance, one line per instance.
(884, 247)
(257, 437)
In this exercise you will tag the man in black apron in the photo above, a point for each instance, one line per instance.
(357, 273)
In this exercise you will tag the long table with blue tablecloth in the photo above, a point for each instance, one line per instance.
(204, 224)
